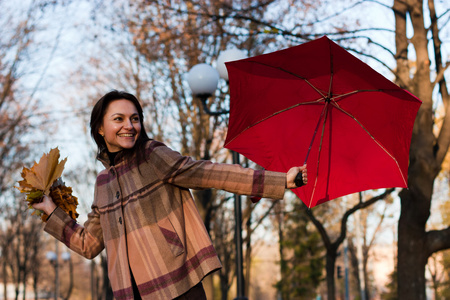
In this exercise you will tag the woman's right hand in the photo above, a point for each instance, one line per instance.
(46, 205)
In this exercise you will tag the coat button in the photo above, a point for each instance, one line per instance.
(120, 220)
(117, 195)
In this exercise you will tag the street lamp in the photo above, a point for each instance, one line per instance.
(53, 257)
(66, 257)
(203, 80)
(225, 56)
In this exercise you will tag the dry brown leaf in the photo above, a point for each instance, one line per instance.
(42, 179)
(42, 175)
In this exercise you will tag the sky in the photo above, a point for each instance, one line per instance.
(69, 37)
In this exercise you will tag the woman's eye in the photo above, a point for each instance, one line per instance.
(135, 119)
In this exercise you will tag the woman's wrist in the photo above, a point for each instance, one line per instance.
(50, 209)
(51, 213)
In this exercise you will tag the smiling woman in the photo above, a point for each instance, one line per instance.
(109, 118)
(143, 212)
(121, 125)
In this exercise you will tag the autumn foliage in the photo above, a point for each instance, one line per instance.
(44, 178)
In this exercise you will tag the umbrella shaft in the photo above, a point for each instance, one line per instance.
(315, 131)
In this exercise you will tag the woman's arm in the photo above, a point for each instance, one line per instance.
(188, 173)
(86, 240)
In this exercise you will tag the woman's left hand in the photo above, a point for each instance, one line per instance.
(292, 173)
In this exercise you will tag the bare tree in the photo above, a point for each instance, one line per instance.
(14, 122)
(7, 237)
(430, 141)
(333, 246)
(21, 248)
(19, 26)
(372, 217)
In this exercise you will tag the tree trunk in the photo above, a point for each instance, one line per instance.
(413, 251)
(412, 254)
(282, 291)
(248, 256)
(35, 289)
(366, 281)
(224, 285)
(5, 274)
(70, 289)
(330, 265)
(24, 295)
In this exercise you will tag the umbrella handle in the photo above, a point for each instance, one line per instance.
(299, 180)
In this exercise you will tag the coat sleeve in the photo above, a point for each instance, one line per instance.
(185, 172)
(85, 240)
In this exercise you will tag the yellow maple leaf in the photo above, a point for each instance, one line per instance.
(42, 179)
(42, 175)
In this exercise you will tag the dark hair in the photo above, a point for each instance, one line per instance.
(98, 112)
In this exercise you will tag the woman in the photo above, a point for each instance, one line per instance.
(143, 212)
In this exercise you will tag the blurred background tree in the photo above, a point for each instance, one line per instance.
(59, 57)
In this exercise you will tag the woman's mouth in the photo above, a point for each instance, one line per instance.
(126, 135)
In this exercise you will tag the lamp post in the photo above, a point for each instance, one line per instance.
(66, 257)
(203, 80)
(53, 257)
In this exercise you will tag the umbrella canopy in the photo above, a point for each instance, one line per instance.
(319, 104)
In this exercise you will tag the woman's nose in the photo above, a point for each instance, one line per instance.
(129, 124)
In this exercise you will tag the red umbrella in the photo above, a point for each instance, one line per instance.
(317, 103)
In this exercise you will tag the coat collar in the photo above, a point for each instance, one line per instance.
(104, 158)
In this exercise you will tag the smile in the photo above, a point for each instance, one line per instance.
(126, 135)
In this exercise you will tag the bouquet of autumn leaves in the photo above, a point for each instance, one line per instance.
(44, 178)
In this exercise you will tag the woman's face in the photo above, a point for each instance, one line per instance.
(121, 125)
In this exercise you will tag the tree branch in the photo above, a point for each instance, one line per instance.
(437, 240)
(320, 228)
(263, 217)
(440, 76)
(359, 206)
(443, 141)
(323, 233)
(377, 229)
(401, 44)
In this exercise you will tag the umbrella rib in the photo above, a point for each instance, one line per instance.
(324, 115)
(272, 115)
(293, 74)
(331, 74)
(374, 139)
(315, 131)
(336, 96)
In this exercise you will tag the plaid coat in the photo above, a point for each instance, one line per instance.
(147, 220)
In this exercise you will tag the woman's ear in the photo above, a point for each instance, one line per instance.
(100, 131)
